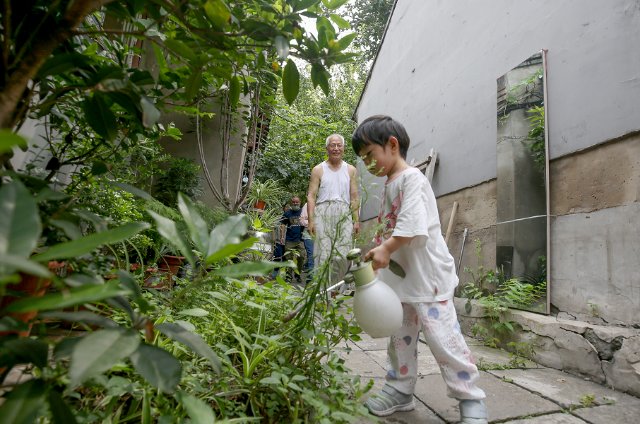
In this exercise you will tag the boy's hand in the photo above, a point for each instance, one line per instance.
(379, 257)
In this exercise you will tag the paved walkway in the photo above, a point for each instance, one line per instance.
(529, 395)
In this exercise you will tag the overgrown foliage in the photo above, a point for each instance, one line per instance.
(368, 19)
(97, 76)
(496, 295)
(297, 133)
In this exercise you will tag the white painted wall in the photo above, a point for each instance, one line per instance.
(436, 73)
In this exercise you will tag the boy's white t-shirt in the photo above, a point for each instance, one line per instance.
(409, 210)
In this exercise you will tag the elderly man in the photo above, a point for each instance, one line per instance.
(333, 206)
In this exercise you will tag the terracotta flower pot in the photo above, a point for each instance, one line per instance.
(170, 264)
(260, 204)
(29, 286)
(162, 277)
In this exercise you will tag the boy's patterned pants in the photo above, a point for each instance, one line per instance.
(439, 324)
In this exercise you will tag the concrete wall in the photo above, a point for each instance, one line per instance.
(436, 72)
(437, 68)
(212, 146)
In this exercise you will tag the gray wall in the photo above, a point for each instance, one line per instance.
(436, 72)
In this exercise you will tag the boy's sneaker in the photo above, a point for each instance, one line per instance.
(388, 401)
(473, 411)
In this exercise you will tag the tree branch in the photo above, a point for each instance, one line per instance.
(44, 42)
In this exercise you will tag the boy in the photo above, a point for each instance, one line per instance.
(412, 237)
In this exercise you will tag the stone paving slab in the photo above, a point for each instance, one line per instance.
(563, 418)
(362, 364)
(609, 414)
(504, 400)
(487, 357)
(530, 395)
(369, 343)
(567, 390)
(422, 414)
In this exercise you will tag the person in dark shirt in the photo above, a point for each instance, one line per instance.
(294, 245)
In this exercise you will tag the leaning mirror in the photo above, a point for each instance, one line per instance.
(522, 224)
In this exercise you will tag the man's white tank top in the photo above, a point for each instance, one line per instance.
(334, 185)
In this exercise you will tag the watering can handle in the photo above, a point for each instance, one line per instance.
(354, 255)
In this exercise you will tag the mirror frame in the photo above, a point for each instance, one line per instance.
(502, 95)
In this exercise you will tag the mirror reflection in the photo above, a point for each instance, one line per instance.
(522, 217)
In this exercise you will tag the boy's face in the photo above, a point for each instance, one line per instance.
(377, 158)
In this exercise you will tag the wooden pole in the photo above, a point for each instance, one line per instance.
(452, 218)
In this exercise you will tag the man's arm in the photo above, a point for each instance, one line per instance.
(312, 193)
(355, 200)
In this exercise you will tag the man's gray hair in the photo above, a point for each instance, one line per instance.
(334, 136)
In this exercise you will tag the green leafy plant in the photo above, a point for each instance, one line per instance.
(497, 295)
(269, 192)
(536, 136)
(182, 176)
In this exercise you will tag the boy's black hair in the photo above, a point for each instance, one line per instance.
(377, 129)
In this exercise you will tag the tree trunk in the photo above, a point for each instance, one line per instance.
(47, 38)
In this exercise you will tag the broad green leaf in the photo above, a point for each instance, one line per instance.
(324, 26)
(194, 312)
(20, 224)
(186, 325)
(99, 351)
(198, 228)
(24, 265)
(344, 42)
(63, 62)
(9, 140)
(24, 351)
(100, 117)
(227, 232)
(78, 296)
(197, 409)
(150, 113)
(85, 317)
(230, 250)
(23, 403)
(250, 268)
(168, 229)
(282, 47)
(64, 348)
(60, 411)
(86, 244)
(340, 21)
(193, 340)
(47, 194)
(333, 4)
(131, 189)
(193, 83)
(159, 53)
(181, 49)
(320, 76)
(157, 366)
(71, 229)
(234, 91)
(396, 268)
(290, 81)
(218, 13)
(304, 4)
(99, 168)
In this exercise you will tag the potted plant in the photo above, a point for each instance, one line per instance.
(265, 193)
(181, 176)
